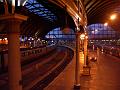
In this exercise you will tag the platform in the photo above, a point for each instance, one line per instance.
(104, 76)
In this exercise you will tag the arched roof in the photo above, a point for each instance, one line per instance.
(97, 11)
(43, 16)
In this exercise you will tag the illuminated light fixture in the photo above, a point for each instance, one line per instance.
(82, 36)
(105, 24)
(66, 29)
(86, 37)
(32, 38)
(112, 17)
(96, 30)
(29, 39)
(22, 40)
(5, 38)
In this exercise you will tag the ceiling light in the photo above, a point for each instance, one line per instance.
(112, 17)
(105, 24)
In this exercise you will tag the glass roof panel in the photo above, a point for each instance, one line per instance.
(39, 9)
(100, 31)
(59, 34)
(36, 10)
(30, 7)
(31, 1)
(37, 5)
(40, 13)
(46, 11)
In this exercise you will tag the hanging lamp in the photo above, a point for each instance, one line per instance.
(66, 29)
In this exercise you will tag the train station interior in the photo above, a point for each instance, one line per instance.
(59, 44)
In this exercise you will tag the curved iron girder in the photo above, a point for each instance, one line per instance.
(106, 11)
(72, 9)
(96, 6)
(92, 4)
(86, 2)
(103, 9)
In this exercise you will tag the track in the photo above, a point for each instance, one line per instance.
(41, 74)
(45, 81)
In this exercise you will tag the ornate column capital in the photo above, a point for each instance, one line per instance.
(12, 22)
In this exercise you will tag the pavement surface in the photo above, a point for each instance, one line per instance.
(104, 75)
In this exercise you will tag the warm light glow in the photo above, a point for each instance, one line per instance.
(112, 17)
(3, 41)
(81, 61)
(105, 24)
(13, 2)
(5, 38)
(86, 37)
(82, 36)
